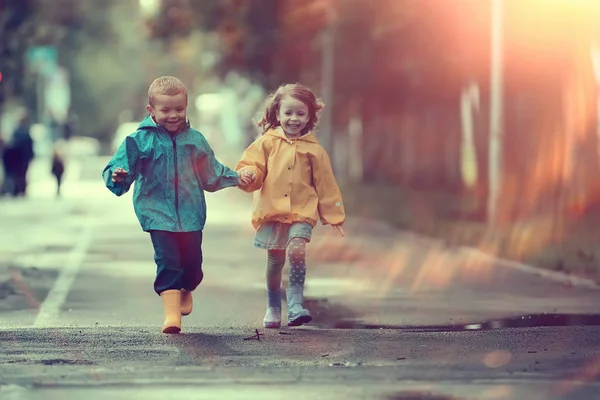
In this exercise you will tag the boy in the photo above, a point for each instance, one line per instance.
(172, 165)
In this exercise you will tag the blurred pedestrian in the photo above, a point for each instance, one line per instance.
(68, 127)
(58, 167)
(16, 158)
(6, 186)
(172, 165)
(297, 189)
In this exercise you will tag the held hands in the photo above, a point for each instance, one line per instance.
(245, 177)
(119, 175)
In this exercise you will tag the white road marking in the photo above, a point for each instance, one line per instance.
(50, 309)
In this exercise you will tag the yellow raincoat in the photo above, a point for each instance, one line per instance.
(295, 180)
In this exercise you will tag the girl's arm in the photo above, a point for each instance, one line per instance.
(254, 160)
(126, 157)
(331, 207)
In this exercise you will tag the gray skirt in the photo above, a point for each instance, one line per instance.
(277, 235)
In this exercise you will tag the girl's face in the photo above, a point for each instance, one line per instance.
(292, 116)
(169, 111)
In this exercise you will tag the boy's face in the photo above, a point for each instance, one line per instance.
(169, 111)
(293, 115)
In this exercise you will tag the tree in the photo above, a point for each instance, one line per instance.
(14, 29)
(25, 24)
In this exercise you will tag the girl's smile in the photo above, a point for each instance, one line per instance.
(293, 116)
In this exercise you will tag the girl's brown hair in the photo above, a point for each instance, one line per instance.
(299, 92)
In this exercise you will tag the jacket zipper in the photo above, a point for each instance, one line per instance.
(176, 183)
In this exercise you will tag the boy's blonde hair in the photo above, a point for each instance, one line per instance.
(166, 85)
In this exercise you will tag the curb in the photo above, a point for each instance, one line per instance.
(561, 277)
(556, 276)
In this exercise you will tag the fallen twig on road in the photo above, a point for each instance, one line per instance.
(255, 336)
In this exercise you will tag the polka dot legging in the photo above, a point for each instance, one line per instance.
(276, 261)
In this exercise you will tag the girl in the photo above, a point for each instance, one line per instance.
(297, 188)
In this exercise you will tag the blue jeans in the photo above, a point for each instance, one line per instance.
(178, 257)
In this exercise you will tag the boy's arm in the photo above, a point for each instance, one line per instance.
(254, 159)
(214, 175)
(127, 158)
(331, 207)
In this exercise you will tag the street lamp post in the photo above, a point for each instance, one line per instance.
(496, 113)
(327, 78)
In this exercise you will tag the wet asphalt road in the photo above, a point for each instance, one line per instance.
(78, 318)
(532, 363)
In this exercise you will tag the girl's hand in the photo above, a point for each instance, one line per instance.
(118, 175)
(338, 230)
(248, 173)
(245, 177)
(244, 180)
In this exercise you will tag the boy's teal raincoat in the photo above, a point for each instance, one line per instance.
(171, 173)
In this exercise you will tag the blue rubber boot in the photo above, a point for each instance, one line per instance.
(297, 315)
(272, 318)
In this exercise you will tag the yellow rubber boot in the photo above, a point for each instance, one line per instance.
(187, 302)
(172, 304)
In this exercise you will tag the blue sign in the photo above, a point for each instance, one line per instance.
(42, 60)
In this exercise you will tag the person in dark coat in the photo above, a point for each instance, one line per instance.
(18, 156)
(8, 160)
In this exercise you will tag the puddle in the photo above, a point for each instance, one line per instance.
(329, 317)
(332, 315)
(24, 288)
(418, 396)
(59, 361)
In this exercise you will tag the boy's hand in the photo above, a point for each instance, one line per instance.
(338, 230)
(245, 177)
(119, 175)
